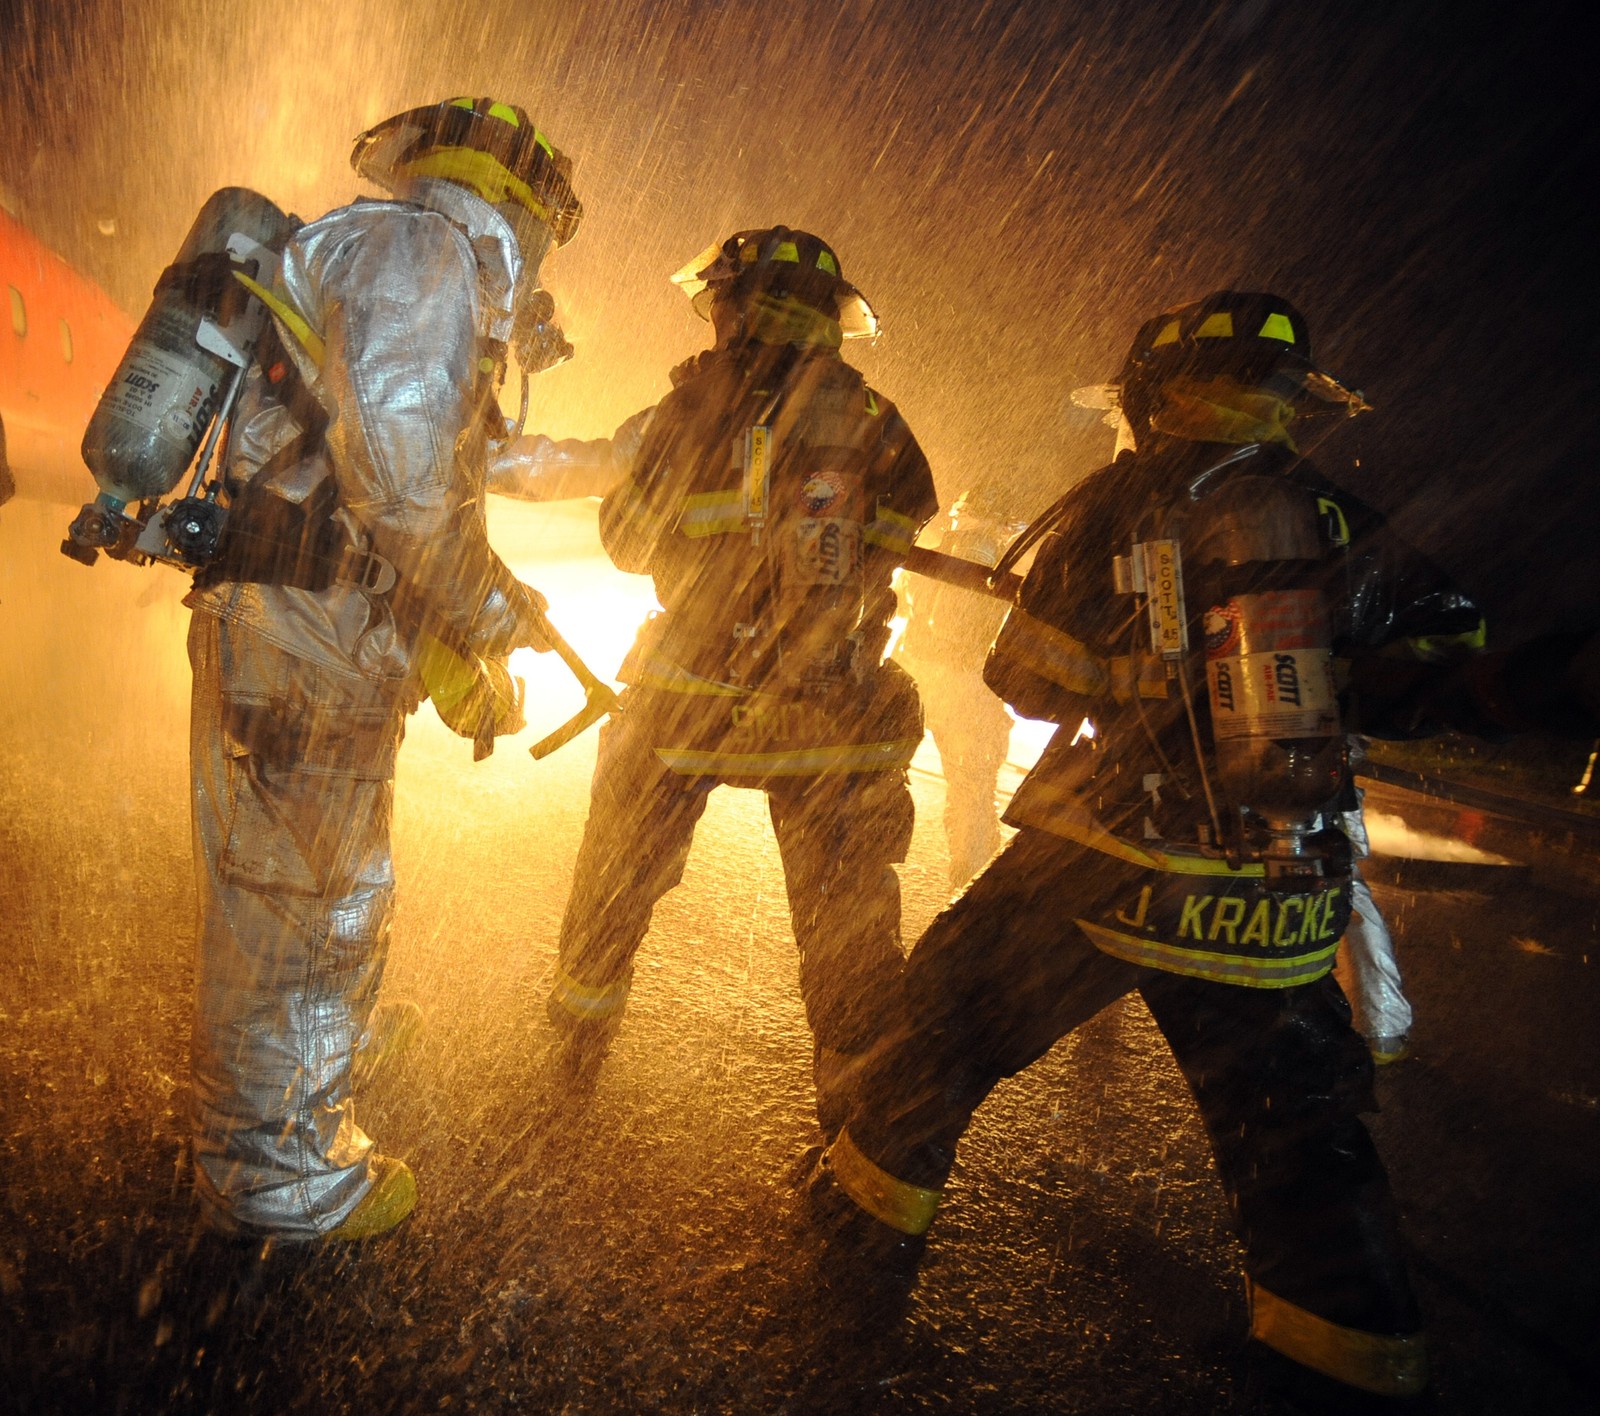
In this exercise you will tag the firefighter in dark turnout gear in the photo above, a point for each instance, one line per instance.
(1191, 850)
(771, 498)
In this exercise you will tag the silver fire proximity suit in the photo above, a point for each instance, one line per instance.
(948, 634)
(540, 468)
(300, 695)
(1368, 969)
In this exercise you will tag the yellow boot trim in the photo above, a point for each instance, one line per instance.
(1388, 1366)
(392, 1197)
(907, 1208)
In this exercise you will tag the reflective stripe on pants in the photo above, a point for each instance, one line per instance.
(1279, 1074)
(839, 836)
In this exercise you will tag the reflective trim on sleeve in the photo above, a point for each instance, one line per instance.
(908, 1208)
(1142, 672)
(891, 530)
(1370, 1361)
(659, 672)
(800, 762)
(1052, 655)
(582, 1001)
(1061, 813)
(711, 513)
(1434, 647)
(1200, 963)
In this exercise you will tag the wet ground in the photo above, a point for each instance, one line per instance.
(643, 1247)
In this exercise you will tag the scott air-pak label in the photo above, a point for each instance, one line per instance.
(163, 394)
(1270, 667)
(824, 538)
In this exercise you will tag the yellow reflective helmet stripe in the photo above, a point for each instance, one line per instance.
(1371, 1361)
(291, 318)
(1241, 969)
(786, 251)
(480, 172)
(1277, 326)
(908, 1208)
(1170, 334)
(825, 261)
(1216, 326)
(798, 762)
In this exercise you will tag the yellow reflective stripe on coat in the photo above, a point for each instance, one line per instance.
(659, 672)
(1435, 647)
(291, 318)
(1370, 1361)
(1200, 963)
(1141, 673)
(711, 513)
(891, 530)
(908, 1208)
(798, 762)
(1063, 815)
(1053, 655)
(582, 1001)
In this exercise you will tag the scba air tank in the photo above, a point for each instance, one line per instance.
(162, 398)
(1274, 711)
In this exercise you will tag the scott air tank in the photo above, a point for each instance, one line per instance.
(1269, 652)
(160, 401)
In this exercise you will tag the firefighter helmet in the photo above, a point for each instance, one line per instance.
(1255, 338)
(493, 149)
(777, 261)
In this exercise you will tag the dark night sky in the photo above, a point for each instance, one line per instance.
(1015, 185)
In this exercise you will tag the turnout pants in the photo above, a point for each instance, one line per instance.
(292, 778)
(1279, 1077)
(839, 835)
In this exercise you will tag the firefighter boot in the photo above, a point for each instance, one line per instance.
(857, 1245)
(392, 1197)
(582, 1044)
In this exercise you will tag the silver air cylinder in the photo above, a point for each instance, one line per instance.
(1279, 741)
(162, 398)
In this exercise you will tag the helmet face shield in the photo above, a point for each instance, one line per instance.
(777, 262)
(491, 148)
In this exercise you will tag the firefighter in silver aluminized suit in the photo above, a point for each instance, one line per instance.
(948, 633)
(357, 536)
